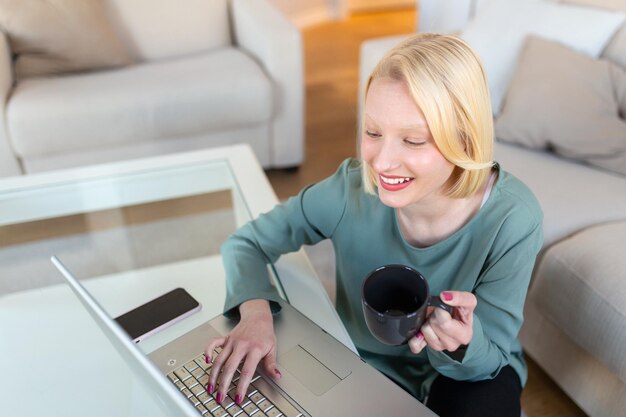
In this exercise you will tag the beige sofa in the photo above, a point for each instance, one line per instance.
(86, 81)
(576, 308)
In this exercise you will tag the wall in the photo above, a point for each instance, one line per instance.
(310, 12)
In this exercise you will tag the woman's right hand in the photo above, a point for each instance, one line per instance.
(251, 341)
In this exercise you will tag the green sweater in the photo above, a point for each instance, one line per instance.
(491, 256)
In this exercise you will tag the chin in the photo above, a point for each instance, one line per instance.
(393, 201)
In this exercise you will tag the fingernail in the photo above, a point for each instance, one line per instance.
(419, 335)
(238, 399)
(219, 398)
(446, 296)
(210, 389)
(206, 358)
(278, 374)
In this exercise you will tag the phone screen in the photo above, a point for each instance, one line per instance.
(155, 315)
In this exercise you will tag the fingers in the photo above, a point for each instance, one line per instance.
(433, 337)
(444, 332)
(215, 369)
(229, 370)
(417, 343)
(247, 372)
(224, 370)
(437, 340)
(270, 366)
(251, 340)
(215, 343)
(225, 367)
(218, 364)
(428, 337)
(464, 303)
(459, 299)
(249, 368)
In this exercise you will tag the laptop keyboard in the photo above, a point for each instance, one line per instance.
(261, 399)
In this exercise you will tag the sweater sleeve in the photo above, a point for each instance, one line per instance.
(500, 291)
(306, 219)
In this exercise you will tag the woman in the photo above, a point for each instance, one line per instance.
(424, 193)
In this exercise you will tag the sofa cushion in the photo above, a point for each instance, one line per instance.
(616, 49)
(156, 29)
(580, 285)
(58, 36)
(160, 100)
(602, 4)
(564, 101)
(498, 32)
(572, 196)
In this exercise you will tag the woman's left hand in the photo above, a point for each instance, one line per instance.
(443, 331)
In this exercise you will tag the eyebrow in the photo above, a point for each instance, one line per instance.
(419, 126)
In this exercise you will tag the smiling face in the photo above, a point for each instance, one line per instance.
(397, 144)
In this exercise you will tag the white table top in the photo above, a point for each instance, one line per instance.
(55, 361)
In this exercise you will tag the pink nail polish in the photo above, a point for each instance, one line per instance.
(219, 398)
(209, 388)
(419, 335)
(238, 399)
(206, 358)
(277, 372)
(446, 296)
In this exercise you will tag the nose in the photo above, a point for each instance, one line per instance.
(387, 157)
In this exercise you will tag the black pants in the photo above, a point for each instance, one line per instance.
(498, 397)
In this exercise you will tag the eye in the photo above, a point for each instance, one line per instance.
(372, 134)
(414, 142)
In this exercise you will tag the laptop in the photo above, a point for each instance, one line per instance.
(320, 376)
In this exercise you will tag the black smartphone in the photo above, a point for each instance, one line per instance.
(158, 314)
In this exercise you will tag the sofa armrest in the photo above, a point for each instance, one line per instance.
(263, 32)
(445, 16)
(8, 162)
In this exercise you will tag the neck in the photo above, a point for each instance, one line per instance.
(427, 223)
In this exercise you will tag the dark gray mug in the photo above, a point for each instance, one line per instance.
(395, 299)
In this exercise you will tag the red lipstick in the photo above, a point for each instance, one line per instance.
(395, 185)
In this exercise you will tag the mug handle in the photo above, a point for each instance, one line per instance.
(435, 301)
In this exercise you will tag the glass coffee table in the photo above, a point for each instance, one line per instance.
(130, 230)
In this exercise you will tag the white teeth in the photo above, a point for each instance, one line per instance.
(394, 180)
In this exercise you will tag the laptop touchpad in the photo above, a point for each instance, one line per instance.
(308, 370)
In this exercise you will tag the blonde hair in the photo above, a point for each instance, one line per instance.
(447, 82)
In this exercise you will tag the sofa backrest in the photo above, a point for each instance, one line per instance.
(616, 49)
(159, 29)
(453, 16)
